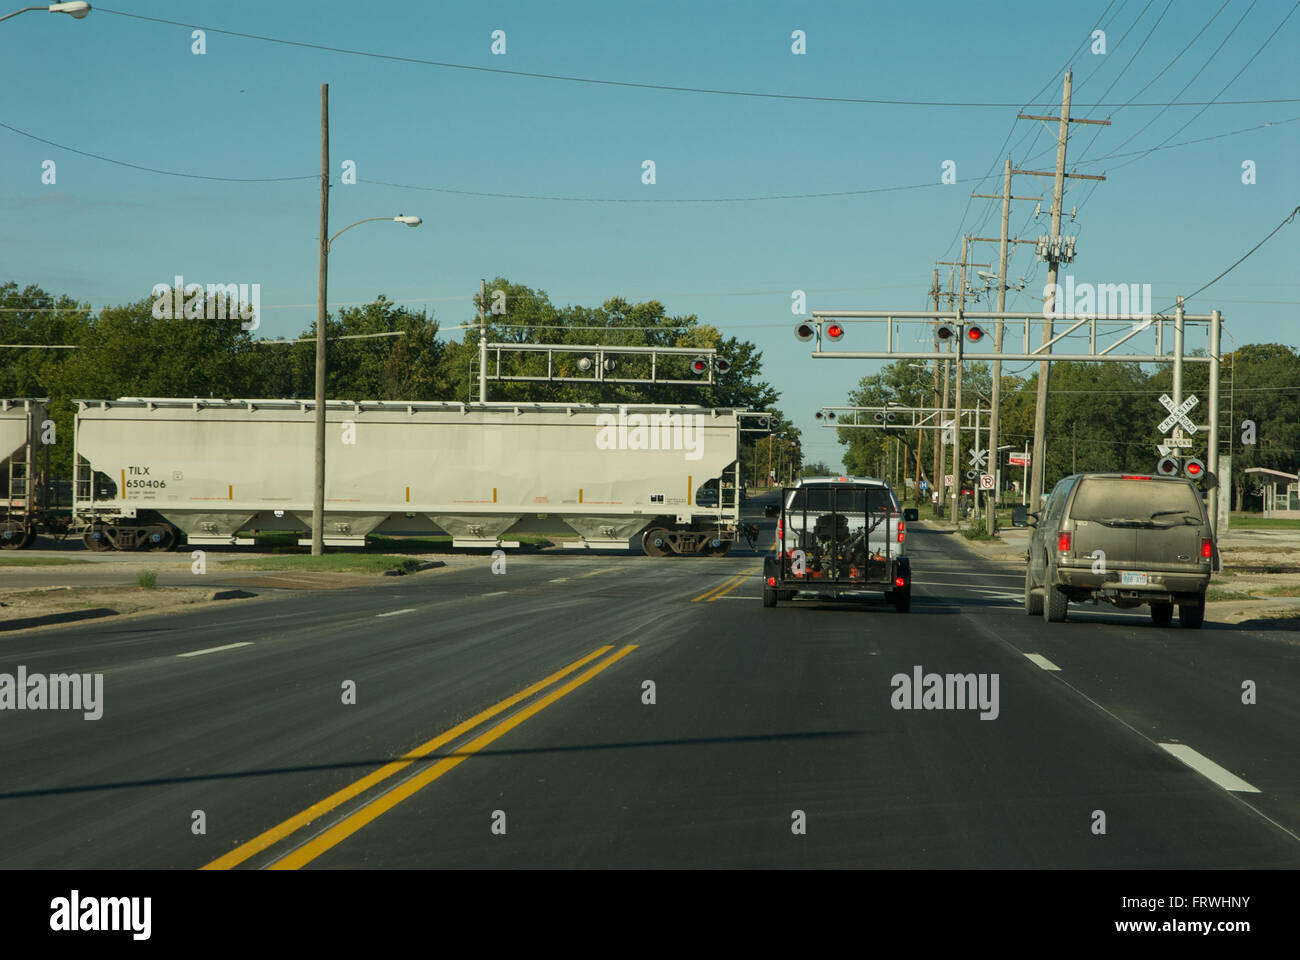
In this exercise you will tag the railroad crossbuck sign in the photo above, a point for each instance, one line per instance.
(977, 457)
(1177, 414)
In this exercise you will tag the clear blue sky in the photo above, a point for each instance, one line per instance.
(131, 90)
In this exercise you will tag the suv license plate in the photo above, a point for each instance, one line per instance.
(1133, 579)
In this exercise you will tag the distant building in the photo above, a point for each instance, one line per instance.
(1281, 492)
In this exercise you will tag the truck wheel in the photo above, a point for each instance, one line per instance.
(1162, 614)
(1033, 601)
(1191, 615)
(769, 597)
(1055, 602)
(903, 601)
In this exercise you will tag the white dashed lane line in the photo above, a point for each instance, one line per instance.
(1041, 661)
(395, 613)
(228, 646)
(1208, 768)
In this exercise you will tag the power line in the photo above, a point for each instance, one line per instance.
(137, 166)
(571, 199)
(630, 83)
(1252, 59)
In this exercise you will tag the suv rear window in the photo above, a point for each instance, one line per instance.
(1112, 498)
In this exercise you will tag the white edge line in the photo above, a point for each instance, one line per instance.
(1042, 661)
(228, 646)
(1208, 768)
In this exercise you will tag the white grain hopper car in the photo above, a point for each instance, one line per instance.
(21, 423)
(211, 469)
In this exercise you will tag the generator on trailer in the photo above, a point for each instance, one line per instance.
(841, 537)
(210, 469)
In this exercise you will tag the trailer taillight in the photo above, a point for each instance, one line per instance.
(900, 582)
(900, 531)
(1063, 542)
(1207, 549)
(771, 581)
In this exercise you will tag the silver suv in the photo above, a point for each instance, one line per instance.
(1128, 539)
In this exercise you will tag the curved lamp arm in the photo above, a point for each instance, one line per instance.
(409, 221)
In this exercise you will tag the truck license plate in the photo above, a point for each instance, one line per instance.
(1133, 579)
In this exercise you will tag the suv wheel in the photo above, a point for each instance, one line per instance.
(1162, 614)
(1033, 601)
(1191, 615)
(1055, 602)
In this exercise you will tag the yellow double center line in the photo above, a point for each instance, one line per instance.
(387, 801)
(725, 587)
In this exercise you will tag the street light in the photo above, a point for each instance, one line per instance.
(318, 498)
(76, 10)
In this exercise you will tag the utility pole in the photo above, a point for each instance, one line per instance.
(322, 276)
(1054, 255)
(482, 341)
(996, 400)
(936, 475)
(956, 416)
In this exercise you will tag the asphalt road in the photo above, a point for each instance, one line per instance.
(523, 696)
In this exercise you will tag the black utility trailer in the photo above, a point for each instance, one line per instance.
(843, 538)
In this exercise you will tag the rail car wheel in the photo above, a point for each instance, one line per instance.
(655, 542)
(709, 550)
(163, 538)
(96, 540)
(29, 539)
(12, 537)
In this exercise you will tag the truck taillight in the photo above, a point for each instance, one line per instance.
(900, 531)
(1207, 549)
(900, 582)
(1063, 542)
(771, 581)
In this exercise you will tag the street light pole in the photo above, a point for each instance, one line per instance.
(322, 284)
(322, 274)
